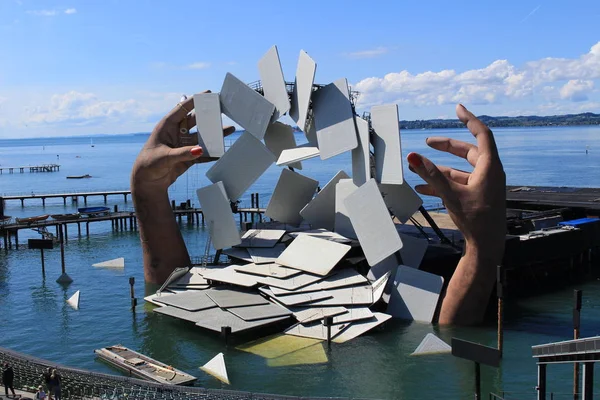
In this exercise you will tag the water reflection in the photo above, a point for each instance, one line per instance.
(43, 298)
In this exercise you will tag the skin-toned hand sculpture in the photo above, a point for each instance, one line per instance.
(476, 202)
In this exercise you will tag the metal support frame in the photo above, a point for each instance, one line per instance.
(588, 381)
(541, 385)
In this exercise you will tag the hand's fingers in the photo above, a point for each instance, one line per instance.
(180, 111)
(191, 120)
(459, 148)
(456, 175)
(426, 190)
(432, 175)
(183, 154)
(483, 134)
(228, 130)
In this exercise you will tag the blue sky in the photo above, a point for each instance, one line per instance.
(74, 67)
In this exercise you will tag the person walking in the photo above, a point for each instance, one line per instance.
(55, 381)
(48, 382)
(8, 378)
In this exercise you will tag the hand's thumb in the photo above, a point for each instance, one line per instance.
(187, 153)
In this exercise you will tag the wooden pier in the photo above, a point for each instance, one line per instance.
(73, 196)
(31, 168)
(120, 221)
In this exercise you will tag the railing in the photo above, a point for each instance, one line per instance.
(81, 384)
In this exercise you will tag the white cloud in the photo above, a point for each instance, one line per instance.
(576, 89)
(496, 83)
(376, 52)
(70, 11)
(198, 65)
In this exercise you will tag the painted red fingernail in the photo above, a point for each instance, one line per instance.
(414, 160)
(196, 151)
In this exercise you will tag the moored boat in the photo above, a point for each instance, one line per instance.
(93, 210)
(79, 176)
(142, 366)
(65, 217)
(29, 220)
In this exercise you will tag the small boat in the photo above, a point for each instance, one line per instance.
(92, 142)
(94, 210)
(5, 219)
(79, 176)
(65, 217)
(29, 220)
(142, 366)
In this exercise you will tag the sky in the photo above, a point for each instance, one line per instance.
(85, 67)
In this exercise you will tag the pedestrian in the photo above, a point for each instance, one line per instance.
(55, 380)
(8, 378)
(47, 381)
(40, 394)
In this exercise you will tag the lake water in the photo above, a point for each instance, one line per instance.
(36, 320)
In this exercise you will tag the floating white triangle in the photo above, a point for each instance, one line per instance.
(216, 368)
(432, 344)
(115, 263)
(74, 301)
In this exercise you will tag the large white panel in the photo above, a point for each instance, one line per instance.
(320, 212)
(238, 253)
(315, 330)
(313, 255)
(314, 314)
(341, 278)
(334, 119)
(265, 255)
(350, 296)
(361, 169)
(270, 270)
(273, 83)
(230, 275)
(292, 192)
(216, 318)
(295, 299)
(412, 252)
(209, 123)
(401, 199)
(343, 226)
(311, 133)
(216, 367)
(386, 144)
(280, 137)
(245, 106)
(323, 234)
(372, 223)
(300, 153)
(353, 314)
(358, 328)
(245, 161)
(261, 237)
(305, 77)
(432, 344)
(226, 298)
(290, 283)
(415, 295)
(218, 216)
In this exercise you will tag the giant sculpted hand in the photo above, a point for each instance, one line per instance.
(167, 154)
(476, 202)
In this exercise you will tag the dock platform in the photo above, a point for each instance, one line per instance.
(31, 168)
(74, 196)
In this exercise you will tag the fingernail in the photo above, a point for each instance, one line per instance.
(460, 104)
(414, 160)
(196, 151)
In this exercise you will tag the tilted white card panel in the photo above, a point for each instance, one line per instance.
(320, 212)
(358, 328)
(412, 252)
(261, 237)
(386, 144)
(238, 253)
(216, 368)
(314, 313)
(280, 137)
(334, 119)
(361, 169)
(218, 216)
(341, 278)
(311, 132)
(415, 294)
(245, 161)
(269, 270)
(350, 296)
(432, 344)
(305, 77)
(343, 226)
(353, 314)
(313, 255)
(300, 153)
(296, 299)
(314, 330)
(209, 124)
(290, 283)
(273, 83)
(230, 275)
(245, 106)
(266, 255)
(292, 192)
(401, 199)
(372, 223)
(73, 301)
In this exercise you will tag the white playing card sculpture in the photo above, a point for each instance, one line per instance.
(73, 301)
(216, 367)
(432, 344)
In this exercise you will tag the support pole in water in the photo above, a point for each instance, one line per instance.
(477, 381)
(132, 292)
(500, 295)
(225, 332)
(576, 326)
(63, 278)
(43, 266)
(328, 321)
